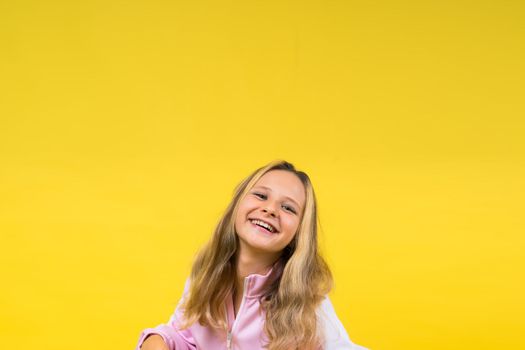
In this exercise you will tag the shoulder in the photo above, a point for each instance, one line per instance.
(334, 333)
(329, 322)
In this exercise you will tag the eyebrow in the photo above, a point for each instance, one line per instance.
(290, 198)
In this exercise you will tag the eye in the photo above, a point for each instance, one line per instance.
(260, 195)
(290, 209)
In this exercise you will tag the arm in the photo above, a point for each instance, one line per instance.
(168, 336)
(335, 334)
(154, 342)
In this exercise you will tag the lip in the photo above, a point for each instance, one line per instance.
(262, 229)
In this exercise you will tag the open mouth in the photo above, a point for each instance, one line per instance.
(263, 225)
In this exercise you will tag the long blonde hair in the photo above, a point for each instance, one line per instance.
(291, 301)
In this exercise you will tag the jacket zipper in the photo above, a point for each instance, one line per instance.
(230, 332)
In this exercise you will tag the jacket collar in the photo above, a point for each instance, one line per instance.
(255, 285)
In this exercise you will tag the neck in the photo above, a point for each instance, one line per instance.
(249, 262)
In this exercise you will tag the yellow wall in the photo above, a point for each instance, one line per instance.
(125, 126)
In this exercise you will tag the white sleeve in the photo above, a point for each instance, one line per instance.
(335, 336)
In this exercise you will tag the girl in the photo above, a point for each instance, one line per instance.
(260, 282)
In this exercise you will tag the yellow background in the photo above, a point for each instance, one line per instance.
(125, 126)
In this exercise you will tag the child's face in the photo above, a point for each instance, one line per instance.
(277, 199)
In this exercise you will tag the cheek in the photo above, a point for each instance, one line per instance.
(292, 225)
(246, 205)
(242, 212)
(243, 208)
(238, 219)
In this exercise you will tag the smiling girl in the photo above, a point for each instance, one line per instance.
(260, 282)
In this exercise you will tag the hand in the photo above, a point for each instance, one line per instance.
(154, 342)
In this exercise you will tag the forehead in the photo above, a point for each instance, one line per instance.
(284, 183)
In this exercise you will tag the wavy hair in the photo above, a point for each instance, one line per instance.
(290, 302)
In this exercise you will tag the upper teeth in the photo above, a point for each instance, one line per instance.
(263, 224)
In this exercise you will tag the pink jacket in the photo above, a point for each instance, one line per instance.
(246, 330)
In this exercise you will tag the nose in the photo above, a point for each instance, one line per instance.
(269, 209)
